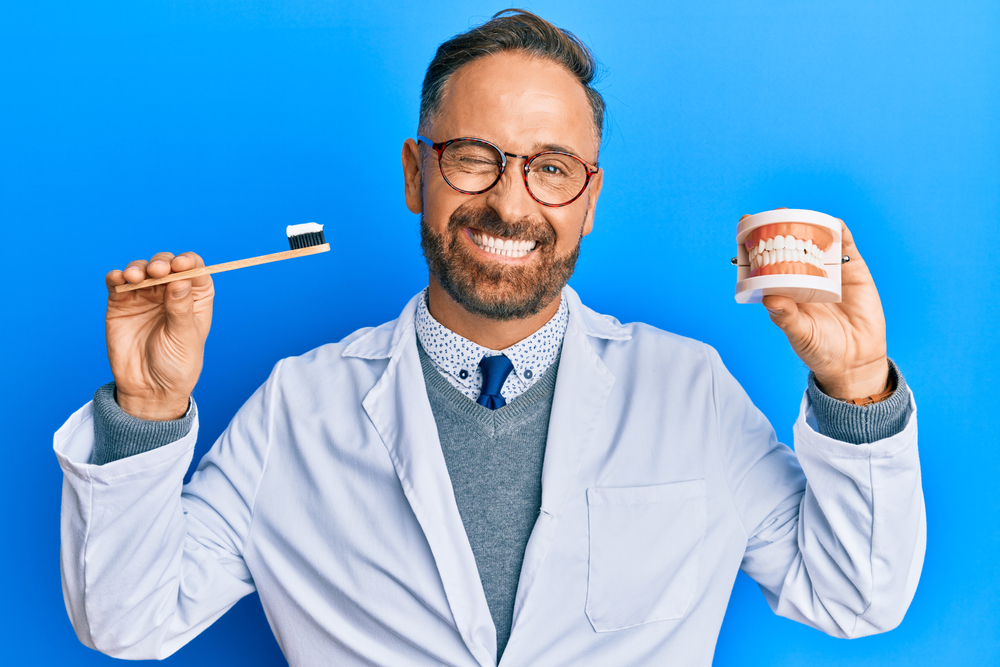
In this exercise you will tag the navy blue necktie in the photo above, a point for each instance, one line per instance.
(495, 372)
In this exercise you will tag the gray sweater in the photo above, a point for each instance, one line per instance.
(494, 458)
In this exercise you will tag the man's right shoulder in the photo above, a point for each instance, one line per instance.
(361, 355)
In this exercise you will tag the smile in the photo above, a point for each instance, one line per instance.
(503, 247)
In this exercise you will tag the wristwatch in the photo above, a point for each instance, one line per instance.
(875, 398)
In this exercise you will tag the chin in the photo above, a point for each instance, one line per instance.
(496, 290)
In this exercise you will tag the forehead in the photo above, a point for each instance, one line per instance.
(519, 102)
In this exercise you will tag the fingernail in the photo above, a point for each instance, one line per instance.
(776, 311)
(181, 293)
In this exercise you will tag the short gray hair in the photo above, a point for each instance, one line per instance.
(511, 30)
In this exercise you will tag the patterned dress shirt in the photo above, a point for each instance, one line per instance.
(457, 358)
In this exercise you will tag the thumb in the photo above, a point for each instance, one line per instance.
(784, 312)
(178, 300)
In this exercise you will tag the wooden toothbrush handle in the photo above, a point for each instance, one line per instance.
(225, 266)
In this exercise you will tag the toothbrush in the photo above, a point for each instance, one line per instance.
(304, 239)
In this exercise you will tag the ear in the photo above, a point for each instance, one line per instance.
(411, 176)
(593, 192)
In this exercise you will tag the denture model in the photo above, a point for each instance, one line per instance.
(788, 252)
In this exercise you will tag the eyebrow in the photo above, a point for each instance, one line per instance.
(561, 149)
(554, 147)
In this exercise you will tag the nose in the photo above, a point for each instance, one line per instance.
(510, 198)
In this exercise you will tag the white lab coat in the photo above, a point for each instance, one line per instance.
(329, 494)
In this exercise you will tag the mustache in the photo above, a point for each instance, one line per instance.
(489, 221)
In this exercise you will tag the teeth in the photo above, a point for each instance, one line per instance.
(766, 252)
(503, 247)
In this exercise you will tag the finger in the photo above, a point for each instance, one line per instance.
(114, 278)
(111, 280)
(159, 264)
(179, 303)
(785, 313)
(187, 261)
(136, 271)
(745, 215)
(855, 270)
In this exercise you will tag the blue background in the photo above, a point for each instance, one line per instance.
(132, 127)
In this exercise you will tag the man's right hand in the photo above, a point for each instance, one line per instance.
(156, 336)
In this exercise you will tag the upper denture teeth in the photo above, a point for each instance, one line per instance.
(784, 249)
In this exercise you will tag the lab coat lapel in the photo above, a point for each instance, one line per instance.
(582, 389)
(401, 413)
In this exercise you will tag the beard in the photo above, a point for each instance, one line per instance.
(496, 290)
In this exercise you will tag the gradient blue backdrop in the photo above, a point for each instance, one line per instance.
(132, 127)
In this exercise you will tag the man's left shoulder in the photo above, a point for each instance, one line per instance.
(653, 346)
(638, 337)
(641, 337)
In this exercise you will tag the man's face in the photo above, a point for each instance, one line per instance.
(523, 105)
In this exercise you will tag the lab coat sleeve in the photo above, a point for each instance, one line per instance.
(147, 563)
(835, 531)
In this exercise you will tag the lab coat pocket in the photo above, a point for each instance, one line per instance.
(644, 546)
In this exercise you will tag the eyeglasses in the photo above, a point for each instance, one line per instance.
(473, 166)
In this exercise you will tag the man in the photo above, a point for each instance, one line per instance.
(500, 473)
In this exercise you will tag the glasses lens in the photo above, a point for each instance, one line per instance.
(556, 178)
(470, 165)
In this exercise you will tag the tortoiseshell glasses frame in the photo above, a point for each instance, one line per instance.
(441, 146)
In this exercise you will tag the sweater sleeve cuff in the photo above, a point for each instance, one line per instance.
(858, 424)
(118, 435)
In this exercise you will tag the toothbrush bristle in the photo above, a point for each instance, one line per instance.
(306, 240)
(305, 235)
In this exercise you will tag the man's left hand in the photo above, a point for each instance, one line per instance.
(843, 343)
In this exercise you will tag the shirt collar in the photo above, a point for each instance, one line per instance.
(382, 341)
(459, 357)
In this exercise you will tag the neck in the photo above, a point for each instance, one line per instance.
(483, 331)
